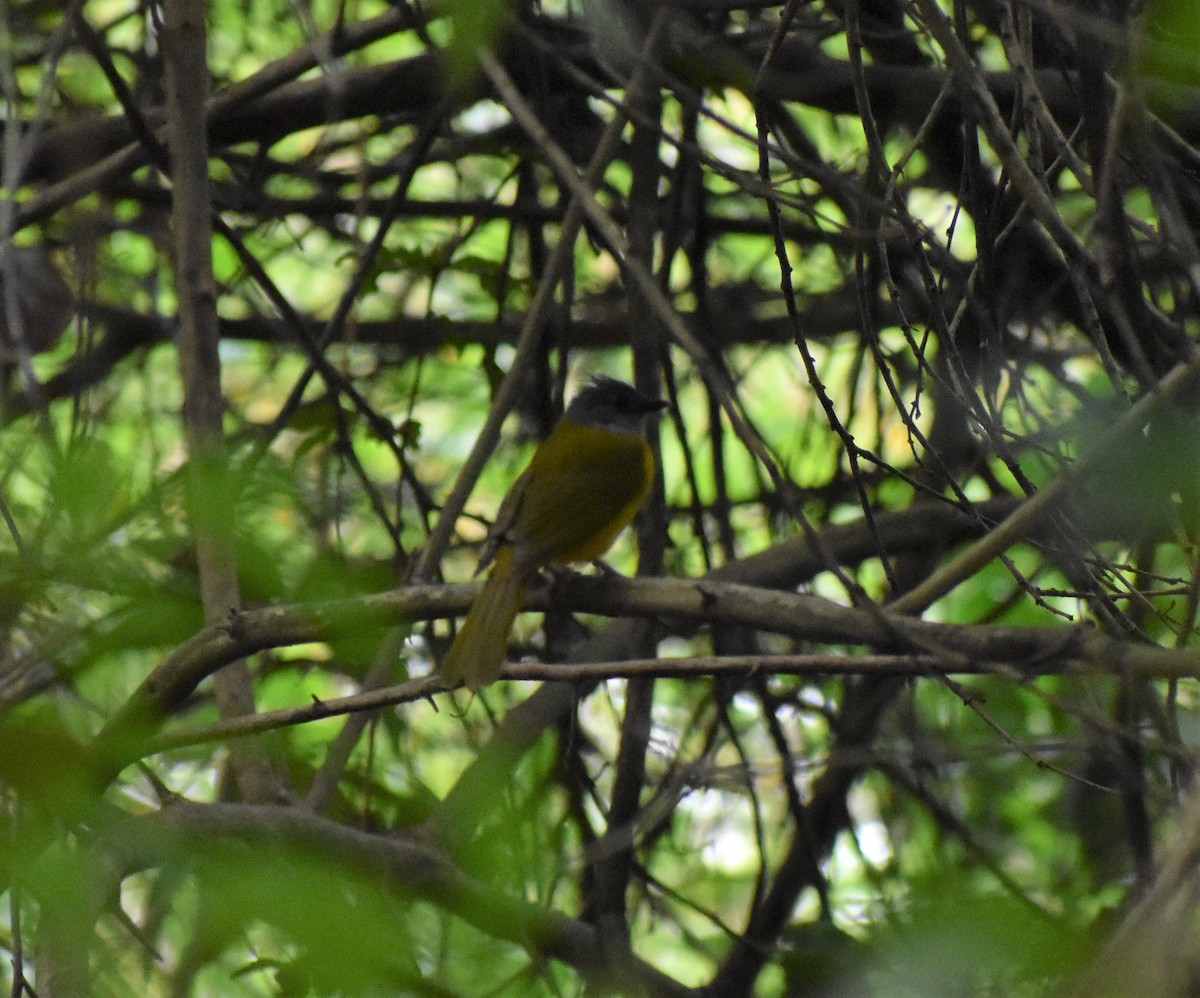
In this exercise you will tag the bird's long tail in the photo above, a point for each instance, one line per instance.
(476, 657)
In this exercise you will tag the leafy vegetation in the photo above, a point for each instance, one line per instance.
(898, 693)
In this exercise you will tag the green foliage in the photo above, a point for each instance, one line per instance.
(885, 318)
(475, 23)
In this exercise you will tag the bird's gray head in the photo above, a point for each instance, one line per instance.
(613, 405)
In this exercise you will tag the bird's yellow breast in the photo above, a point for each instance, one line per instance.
(584, 485)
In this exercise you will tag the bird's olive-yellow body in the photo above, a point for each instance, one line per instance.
(584, 485)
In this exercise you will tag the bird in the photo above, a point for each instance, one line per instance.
(584, 484)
